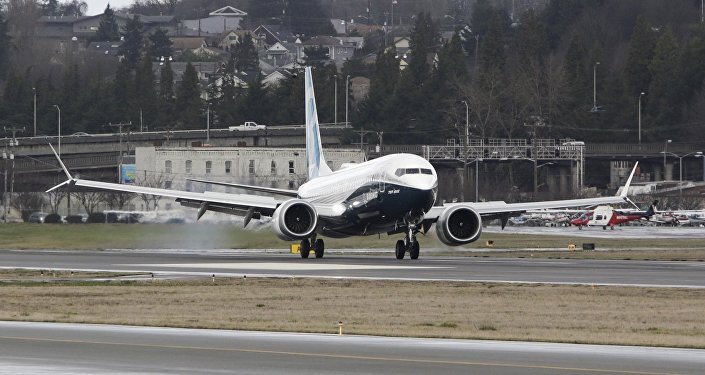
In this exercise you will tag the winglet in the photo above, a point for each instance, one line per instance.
(625, 188)
(66, 171)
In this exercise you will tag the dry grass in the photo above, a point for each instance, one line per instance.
(606, 315)
(20, 274)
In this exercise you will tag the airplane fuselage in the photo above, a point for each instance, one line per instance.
(373, 197)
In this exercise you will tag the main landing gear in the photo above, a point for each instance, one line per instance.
(318, 247)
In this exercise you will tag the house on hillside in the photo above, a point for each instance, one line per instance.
(228, 39)
(337, 51)
(267, 35)
(218, 21)
(58, 32)
(282, 53)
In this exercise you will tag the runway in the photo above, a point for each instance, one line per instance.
(184, 263)
(55, 348)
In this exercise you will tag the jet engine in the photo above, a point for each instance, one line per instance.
(458, 225)
(294, 219)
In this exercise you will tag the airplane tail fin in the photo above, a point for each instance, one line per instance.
(314, 151)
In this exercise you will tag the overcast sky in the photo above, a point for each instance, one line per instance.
(98, 6)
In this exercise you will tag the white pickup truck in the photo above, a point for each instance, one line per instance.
(247, 126)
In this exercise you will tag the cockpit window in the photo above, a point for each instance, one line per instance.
(402, 171)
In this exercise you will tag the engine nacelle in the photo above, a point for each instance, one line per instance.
(458, 225)
(295, 219)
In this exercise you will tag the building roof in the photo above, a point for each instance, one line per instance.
(180, 43)
(323, 40)
(228, 11)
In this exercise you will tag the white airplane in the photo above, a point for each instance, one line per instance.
(393, 194)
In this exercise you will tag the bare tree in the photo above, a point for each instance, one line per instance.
(117, 200)
(155, 180)
(89, 200)
(54, 198)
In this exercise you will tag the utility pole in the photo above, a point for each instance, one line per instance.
(119, 126)
(362, 133)
(13, 142)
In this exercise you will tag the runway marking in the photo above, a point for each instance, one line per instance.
(340, 356)
(284, 266)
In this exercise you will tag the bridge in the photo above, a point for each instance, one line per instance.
(98, 155)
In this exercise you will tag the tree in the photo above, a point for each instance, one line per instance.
(306, 17)
(73, 7)
(108, 27)
(245, 54)
(160, 44)
(121, 92)
(5, 46)
(133, 40)
(641, 50)
(422, 39)
(188, 99)
(165, 100)
(146, 97)
(51, 8)
(482, 13)
(664, 95)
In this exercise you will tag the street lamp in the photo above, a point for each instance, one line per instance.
(640, 95)
(335, 99)
(59, 111)
(394, 2)
(680, 167)
(208, 124)
(467, 122)
(594, 86)
(347, 94)
(477, 180)
(34, 90)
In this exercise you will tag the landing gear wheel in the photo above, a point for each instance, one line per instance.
(305, 248)
(414, 250)
(400, 249)
(318, 248)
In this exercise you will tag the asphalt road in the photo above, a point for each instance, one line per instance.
(55, 348)
(184, 263)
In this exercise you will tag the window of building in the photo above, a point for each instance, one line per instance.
(189, 165)
(274, 168)
(167, 166)
(187, 186)
(291, 167)
(228, 166)
(252, 167)
(167, 184)
(209, 165)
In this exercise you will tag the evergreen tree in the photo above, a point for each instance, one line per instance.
(422, 39)
(245, 54)
(664, 94)
(188, 100)
(160, 44)
(51, 8)
(306, 17)
(492, 57)
(166, 99)
(145, 95)
(574, 71)
(5, 46)
(260, 10)
(108, 27)
(315, 56)
(482, 14)
(693, 64)
(254, 104)
(641, 51)
(133, 41)
(121, 93)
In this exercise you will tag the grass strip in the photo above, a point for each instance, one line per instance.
(573, 314)
(223, 236)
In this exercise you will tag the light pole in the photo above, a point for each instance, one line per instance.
(59, 111)
(680, 167)
(594, 86)
(477, 180)
(640, 95)
(347, 94)
(467, 122)
(335, 99)
(34, 91)
(665, 150)
(208, 124)
(394, 2)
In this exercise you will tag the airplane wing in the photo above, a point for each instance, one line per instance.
(247, 205)
(503, 209)
(285, 192)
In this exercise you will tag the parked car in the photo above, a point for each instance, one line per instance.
(37, 217)
(247, 126)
